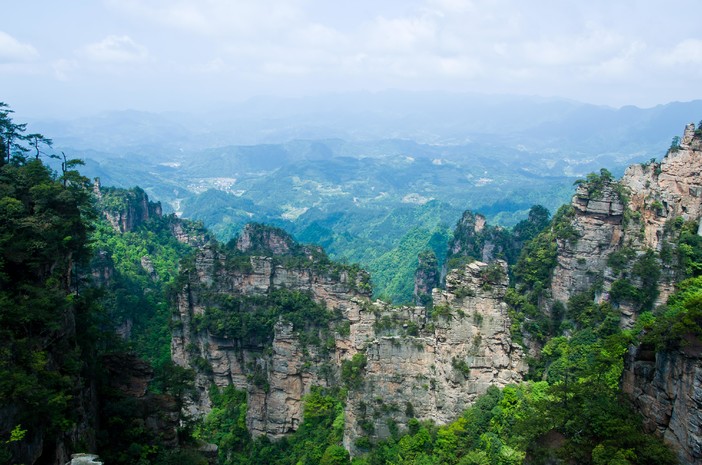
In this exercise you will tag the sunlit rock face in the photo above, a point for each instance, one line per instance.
(635, 212)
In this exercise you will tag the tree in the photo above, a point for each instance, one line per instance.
(10, 135)
(37, 139)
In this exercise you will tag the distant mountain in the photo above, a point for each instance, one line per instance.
(320, 167)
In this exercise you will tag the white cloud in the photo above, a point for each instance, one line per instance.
(453, 6)
(686, 52)
(224, 18)
(592, 47)
(407, 34)
(117, 50)
(14, 51)
(63, 68)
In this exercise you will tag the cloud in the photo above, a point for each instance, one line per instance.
(686, 52)
(14, 51)
(223, 18)
(262, 46)
(63, 68)
(407, 34)
(116, 50)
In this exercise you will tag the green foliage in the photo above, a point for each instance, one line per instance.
(526, 316)
(317, 440)
(461, 366)
(352, 371)
(492, 274)
(675, 144)
(428, 274)
(643, 290)
(619, 260)
(637, 278)
(680, 322)
(579, 403)
(469, 242)
(250, 319)
(54, 325)
(442, 311)
(146, 262)
(43, 240)
(538, 258)
(595, 183)
(393, 272)
(689, 250)
(132, 428)
(225, 425)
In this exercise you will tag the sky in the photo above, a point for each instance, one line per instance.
(73, 57)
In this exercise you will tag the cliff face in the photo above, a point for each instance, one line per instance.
(427, 276)
(433, 364)
(666, 387)
(633, 214)
(275, 376)
(422, 363)
(665, 190)
(598, 226)
(126, 209)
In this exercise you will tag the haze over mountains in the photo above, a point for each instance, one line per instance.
(367, 174)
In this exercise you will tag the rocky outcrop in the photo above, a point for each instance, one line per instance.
(259, 238)
(666, 387)
(424, 363)
(276, 377)
(616, 225)
(598, 231)
(666, 190)
(432, 364)
(426, 277)
(474, 239)
(84, 459)
(126, 209)
(632, 213)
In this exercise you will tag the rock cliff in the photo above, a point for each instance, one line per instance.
(418, 362)
(666, 387)
(276, 374)
(427, 276)
(125, 209)
(617, 222)
(432, 364)
(624, 248)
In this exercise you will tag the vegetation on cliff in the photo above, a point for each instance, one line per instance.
(317, 441)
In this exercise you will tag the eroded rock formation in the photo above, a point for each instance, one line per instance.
(635, 213)
(433, 364)
(422, 363)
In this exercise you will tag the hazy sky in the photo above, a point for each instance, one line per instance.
(74, 56)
